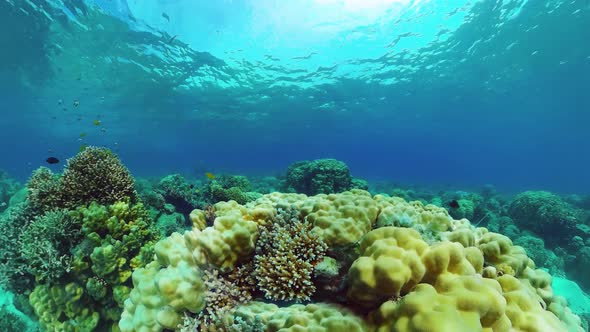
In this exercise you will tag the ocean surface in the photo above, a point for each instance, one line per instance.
(459, 93)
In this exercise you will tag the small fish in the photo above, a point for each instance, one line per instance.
(96, 122)
(454, 204)
(83, 147)
(210, 176)
(172, 39)
(76, 103)
(52, 160)
(164, 15)
(60, 101)
(82, 134)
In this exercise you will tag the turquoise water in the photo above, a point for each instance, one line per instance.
(469, 110)
(459, 92)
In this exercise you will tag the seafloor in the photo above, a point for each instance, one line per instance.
(314, 249)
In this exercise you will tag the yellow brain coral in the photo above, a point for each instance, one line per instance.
(341, 219)
(389, 265)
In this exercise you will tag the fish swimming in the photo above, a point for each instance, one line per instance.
(52, 160)
(454, 204)
(210, 176)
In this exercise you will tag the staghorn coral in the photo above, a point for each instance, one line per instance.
(286, 253)
(44, 191)
(46, 242)
(13, 270)
(95, 174)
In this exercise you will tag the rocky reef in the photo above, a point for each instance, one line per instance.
(87, 252)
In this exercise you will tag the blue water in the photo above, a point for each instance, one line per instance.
(460, 93)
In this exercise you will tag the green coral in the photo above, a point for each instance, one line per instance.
(321, 176)
(63, 308)
(11, 319)
(13, 269)
(230, 187)
(116, 239)
(170, 223)
(545, 213)
(46, 242)
(44, 191)
(178, 191)
(8, 187)
(96, 174)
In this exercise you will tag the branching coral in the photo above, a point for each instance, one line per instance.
(286, 253)
(13, 269)
(95, 174)
(44, 190)
(45, 245)
(322, 176)
(8, 187)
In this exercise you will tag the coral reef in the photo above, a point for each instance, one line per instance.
(177, 191)
(544, 213)
(44, 190)
(287, 249)
(414, 268)
(114, 240)
(45, 245)
(95, 174)
(230, 187)
(8, 187)
(321, 176)
(13, 269)
(11, 319)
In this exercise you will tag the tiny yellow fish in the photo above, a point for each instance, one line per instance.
(82, 134)
(210, 176)
(96, 122)
(83, 147)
